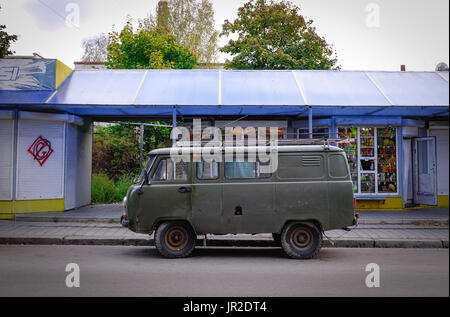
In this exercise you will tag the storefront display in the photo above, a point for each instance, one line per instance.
(387, 160)
(372, 158)
(351, 149)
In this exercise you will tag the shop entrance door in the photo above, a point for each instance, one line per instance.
(424, 171)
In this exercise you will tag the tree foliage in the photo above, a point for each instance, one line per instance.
(146, 48)
(95, 48)
(116, 148)
(5, 41)
(274, 35)
(192, 24)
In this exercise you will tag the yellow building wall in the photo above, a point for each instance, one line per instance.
(393, 203)
(61, 73)
(9, 208)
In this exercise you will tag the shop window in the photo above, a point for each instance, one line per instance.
(367, 183)
(351, 150)
(372, 158)
(387, 160)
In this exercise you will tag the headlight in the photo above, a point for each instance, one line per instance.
(125, 201)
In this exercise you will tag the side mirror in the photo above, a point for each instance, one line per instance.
(146, 181)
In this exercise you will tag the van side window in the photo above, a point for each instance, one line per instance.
(168, 170)
(207, 170)
(337, 166)
(245, 169)
(301, 166)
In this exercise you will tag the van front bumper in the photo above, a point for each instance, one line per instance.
(124, 221)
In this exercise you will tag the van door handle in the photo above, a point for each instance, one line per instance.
(184, 190)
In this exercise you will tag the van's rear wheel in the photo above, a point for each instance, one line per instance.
(175, 239)
(300, 240)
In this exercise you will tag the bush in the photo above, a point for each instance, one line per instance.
(104, 190)
(122, 185)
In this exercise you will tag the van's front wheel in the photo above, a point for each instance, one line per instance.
(300, 240)
(175, 239)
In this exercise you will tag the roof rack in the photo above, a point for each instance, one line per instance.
(326, 142)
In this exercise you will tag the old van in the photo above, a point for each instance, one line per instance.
(310, 192)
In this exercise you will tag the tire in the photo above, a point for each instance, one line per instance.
(276, 238)
(300, 240)
(175, 239)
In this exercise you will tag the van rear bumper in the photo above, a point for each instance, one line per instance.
(355, 219)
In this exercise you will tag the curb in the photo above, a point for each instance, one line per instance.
(113, 241)
(64, 219)
(442, 222)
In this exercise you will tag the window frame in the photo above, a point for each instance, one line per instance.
(174, 181)
(269, 177)
(375, 172)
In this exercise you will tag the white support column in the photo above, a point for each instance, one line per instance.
(310, 128)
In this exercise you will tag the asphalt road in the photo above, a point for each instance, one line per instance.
(140, 271)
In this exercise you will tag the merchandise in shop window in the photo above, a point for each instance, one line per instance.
(367, 183)
(351, 150)
(387, 160)
(367, 142)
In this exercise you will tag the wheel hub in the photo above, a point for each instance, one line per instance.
(176, 238)
(302, 239)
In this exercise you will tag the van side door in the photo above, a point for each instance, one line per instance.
(248, 198)
(207, 197)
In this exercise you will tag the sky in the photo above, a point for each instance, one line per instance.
(365, 34)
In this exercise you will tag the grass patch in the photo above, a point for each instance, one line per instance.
(105, 190)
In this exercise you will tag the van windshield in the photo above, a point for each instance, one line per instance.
(147, 168)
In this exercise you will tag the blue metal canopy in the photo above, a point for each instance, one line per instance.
(221, 92)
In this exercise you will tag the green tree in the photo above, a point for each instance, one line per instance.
(5, 41)
(274, 35)
(116, 147)
(146, 48)
(192, 24)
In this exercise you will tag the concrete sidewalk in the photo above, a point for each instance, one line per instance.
(96, 233)
(111, 213)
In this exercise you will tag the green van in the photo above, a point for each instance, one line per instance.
(310, 191)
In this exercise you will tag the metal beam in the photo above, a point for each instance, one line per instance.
(304, 110)
(300, 88)
(441, 112)
(379, 89)
(141, 146)
(174, 122)
(310, 123)
(375, 111)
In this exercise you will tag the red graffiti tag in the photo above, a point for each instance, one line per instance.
(41, 149)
